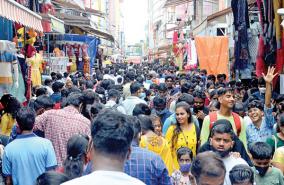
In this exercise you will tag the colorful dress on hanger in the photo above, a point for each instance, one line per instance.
(36, 68)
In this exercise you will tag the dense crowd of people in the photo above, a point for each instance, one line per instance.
(144, 124)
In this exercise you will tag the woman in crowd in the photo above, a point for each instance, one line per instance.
(183, 133)
(155, 143)
(78, 156)
(11, 107)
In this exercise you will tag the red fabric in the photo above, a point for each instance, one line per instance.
(57, 106)
(260, 66)
(279, 61)
(46, 25)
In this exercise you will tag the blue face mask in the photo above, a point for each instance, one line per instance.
(185, 168)
(142, 96)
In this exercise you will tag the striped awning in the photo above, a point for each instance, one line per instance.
(18, 13)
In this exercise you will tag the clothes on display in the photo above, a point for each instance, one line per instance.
(191, 54)
(241, 23)
(36, 68)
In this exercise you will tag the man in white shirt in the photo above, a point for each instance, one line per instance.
(112, 134)
(113, 101)
(136, 90)
(221, 141)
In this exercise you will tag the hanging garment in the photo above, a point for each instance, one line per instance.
(241, 23)
(213, 54)
(6, 29)
(253, 40)
(36, 68)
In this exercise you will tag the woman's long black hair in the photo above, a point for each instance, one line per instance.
(77, 148)
(178, 129)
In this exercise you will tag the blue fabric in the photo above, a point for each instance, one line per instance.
(92, 52)
(6, 29)
(255, 134)
(56, 97)
(27, 157)
(7, 57)
(147, 167)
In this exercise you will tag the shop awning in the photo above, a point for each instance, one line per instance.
(18, 13)
(170, 3)
(56, 25)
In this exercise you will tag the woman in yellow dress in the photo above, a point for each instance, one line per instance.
(183, 133)
(8, 119)
(157, 144)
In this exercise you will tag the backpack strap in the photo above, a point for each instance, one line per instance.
(212, 119)
(238, 123)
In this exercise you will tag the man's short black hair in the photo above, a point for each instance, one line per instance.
(241, 173)
(113, 93)
(89, 84)
(56, 86)
(189, 99)
(135, 87)
(261, 151)
(199, 94)
(59, 76)
(75, 99)
(43, 101)
(112, 134)
(207, 164)
(130, 76)
(89, 96)
(26, 118)
(41, 91)
(162, 87)
(47, 81)
(222, 126)
(141, 108)
(223, 91)
(159, 101)
(255, 104)
(186, 87)
(146, 123)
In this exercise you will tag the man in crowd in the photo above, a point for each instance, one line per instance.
(59, 125)
(222, 142)
(160, 108)
(129, 103)
(227, 101)
(28, 156)
(112, 134)
(209, 169)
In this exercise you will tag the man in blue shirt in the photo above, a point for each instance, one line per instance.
(160, 108)
(143, 164)
(261, 128)
(28, 156)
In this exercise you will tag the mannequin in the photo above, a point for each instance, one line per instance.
(86, 58)
(35, 61)
(9, 74)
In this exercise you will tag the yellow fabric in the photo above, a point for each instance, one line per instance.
(73, 67)
(159, 145)
(36, 68)
(188, 136)
(7, 123)
(279, 156)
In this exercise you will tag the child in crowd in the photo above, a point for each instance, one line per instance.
(183, 175)
(265, 174)
(241, 175)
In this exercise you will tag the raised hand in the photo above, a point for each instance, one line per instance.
(270, 75)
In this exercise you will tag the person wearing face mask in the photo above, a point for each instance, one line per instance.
(265, 174)
(183, 175)
(222, 142)
(130, 102)
(160, 108)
